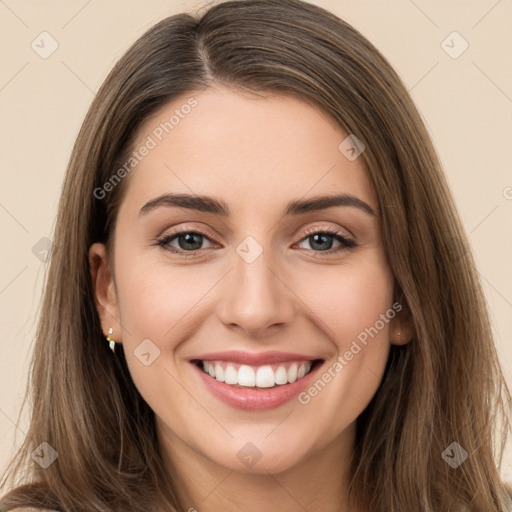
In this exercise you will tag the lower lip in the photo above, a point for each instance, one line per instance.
(256, 398)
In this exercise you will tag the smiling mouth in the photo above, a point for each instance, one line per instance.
(257, 377)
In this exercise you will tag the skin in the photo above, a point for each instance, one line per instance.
(255, 154)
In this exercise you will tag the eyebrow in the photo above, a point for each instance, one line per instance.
(218, 207)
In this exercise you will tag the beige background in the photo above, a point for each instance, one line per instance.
(466, 102)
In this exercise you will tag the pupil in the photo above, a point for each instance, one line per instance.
(317, 236)
(189, 239)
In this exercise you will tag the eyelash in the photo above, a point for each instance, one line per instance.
(347, 243)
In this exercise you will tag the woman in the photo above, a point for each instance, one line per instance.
(323, 344)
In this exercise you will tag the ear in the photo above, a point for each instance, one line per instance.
(402, 329)
(105, 296)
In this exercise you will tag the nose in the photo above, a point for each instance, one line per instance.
(256, 297)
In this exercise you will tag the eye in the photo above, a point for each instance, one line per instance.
(188, 241)
(322, 239)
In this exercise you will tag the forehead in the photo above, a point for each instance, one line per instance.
(244, 148)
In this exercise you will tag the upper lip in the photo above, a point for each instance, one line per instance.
(252, 358)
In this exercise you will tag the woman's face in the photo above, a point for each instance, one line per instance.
(265, 281)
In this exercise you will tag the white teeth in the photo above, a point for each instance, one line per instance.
(231, 375)
(246, 376)
(281, 377)
(292, 373)
(219, 372)
(265, 377)
(261, 377)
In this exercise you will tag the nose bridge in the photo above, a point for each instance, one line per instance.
(256, 297)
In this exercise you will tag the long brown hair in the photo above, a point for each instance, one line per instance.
(444, 386)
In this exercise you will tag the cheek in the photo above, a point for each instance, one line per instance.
(156, 304)
(349, 299)
(154, 298)
(354, 310)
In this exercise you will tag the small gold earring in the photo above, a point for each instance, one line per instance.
(111, 342)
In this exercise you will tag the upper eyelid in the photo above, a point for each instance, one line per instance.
(187, 229)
